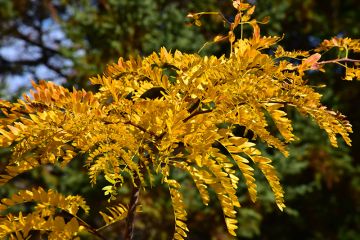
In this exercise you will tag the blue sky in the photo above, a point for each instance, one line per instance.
(15, 49)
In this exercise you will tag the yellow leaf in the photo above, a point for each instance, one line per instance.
(231, 225)
(251, 10)
(265, 20)
(219, 38)
(34, 118)
(14, 130)
(6, 134)
(231, 36)
(198, 23)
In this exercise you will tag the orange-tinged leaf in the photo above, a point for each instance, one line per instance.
(219, 38)
(231, 224)
(256, 29)
(198, 23)
(265, 20)
(6, 134)
(311, 62)
(231, 36)
(251, 10)
(14, 130)
(34, 118)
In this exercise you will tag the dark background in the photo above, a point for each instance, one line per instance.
(68, 41)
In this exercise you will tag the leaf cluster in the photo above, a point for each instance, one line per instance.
(169, 111)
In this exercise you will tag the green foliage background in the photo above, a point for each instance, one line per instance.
(322, 184)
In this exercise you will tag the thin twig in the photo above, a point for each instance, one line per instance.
(224, 18)
(86, 225)
(142, 129)
(195, 114)
(339, 60)
(134, 199)
(92, 230)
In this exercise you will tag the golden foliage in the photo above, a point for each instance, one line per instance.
(117, 213)
(179, 210)
(168, 111)
(347, 43)
(44, 216)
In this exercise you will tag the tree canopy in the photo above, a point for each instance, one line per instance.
(89, 39)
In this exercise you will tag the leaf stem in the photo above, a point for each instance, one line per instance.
(142, 129)
(88, 226)
(339, 60)
(196, 113)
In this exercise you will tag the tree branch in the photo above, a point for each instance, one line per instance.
(339, 60)
(38, 44)
(134, 199)
(91, 229)
(32, 62)
(195, 114)
(55, 69)
(142, 129)
(85, 224)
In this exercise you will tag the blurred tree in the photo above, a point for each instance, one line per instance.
(73, 40)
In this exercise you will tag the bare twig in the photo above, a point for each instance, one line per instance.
(195, 114)
(134, 199)
(142, 129)
(339, 60)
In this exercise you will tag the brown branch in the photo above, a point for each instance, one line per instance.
(195, 114)
(142, 129)
(53, 12)
(161, 136)
(36, 43)
(138, 127)
(281, 102)
(85, 224)
(92, 230)
(134, 199)
(11, 109)
(30, 62)
(242, 103)
(338, 60)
